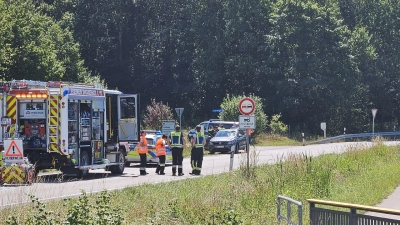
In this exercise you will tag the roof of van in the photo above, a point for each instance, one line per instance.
(220, 121)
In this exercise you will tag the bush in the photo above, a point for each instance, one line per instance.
(276, 126)
(231, 112)
(82, 211)
(155, 114)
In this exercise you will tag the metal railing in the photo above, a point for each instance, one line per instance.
(359, 136)
(324, 216)
(289, 203)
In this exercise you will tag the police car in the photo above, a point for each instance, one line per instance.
(151, 136)
(212, 124)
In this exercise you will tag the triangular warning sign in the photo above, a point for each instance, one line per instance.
(13, 150)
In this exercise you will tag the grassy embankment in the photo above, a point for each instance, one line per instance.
(361, 175)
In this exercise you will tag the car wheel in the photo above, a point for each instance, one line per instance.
(211, 152)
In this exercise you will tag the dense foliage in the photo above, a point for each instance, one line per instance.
(312, 61)
(155, 114)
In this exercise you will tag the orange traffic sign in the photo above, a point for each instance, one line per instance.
(13, 150)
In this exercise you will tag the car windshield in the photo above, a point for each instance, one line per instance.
(150, 141)
(226, 133)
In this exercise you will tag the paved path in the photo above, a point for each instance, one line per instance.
(391, 202)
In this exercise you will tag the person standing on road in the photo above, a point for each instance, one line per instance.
(161, 153)
(177, 143)
(198, 142)
(143, 150)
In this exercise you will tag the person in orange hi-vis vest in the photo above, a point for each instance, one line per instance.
(143, 150)
(161, 153)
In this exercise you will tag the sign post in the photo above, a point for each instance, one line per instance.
(247, 107)
(373, 120)
(179, 111)
(323, 127)
(233, 149)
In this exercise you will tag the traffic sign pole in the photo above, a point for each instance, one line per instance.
(179, 111)
(373, 120)
(247, 107)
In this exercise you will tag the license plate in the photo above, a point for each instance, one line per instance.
(219, 146)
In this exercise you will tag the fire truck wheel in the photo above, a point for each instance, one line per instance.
(119, 169)
(84, 162)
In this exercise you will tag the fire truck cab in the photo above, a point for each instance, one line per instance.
(68, 126)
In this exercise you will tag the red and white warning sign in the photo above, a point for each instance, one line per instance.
(246, 106)
(13, 150)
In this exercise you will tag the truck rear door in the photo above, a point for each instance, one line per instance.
(128, 119)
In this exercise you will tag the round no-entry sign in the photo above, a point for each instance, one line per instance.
(247, 106)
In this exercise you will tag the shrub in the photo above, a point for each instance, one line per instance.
(231, 112)
(276, 126)
(155, 114)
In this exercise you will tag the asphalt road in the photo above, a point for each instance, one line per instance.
(51, 187)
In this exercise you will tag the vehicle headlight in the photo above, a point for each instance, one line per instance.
(231, 142)
(211, 143)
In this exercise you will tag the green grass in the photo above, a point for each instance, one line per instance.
(274, 140)
(240, 197)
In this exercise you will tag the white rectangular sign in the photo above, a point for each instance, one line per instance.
(168, 127)
(323, 126)
(247, 122)
(34, 113)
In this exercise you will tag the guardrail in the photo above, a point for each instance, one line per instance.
(288, 209)
(323, 216)
(358, 136)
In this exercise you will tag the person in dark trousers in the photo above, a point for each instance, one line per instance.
(143, 150)
(161, 153)
(198, 142)
(177, 144)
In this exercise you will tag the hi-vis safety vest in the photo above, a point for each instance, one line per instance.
(176, 141)
(160, 147)
(142, 149)
(199, 140)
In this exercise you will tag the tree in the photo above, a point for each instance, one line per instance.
(317, 69)
(155, 114)
(231, 112)
(34, 46)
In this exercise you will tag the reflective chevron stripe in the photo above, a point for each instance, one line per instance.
(13, 175)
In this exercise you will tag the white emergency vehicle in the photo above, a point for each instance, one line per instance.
(63, 125)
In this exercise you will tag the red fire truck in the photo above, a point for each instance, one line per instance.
(63, 125)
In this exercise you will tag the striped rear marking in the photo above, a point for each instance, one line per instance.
(12, 108)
